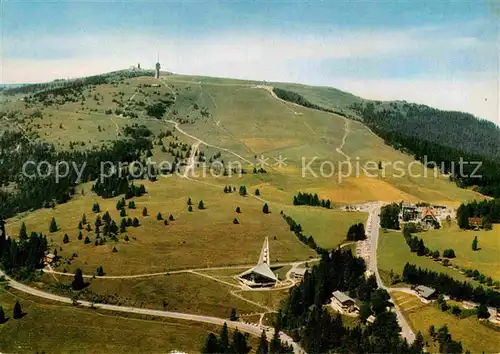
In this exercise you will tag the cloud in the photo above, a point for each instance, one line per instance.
(425, 64)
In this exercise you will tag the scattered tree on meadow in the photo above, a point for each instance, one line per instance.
(265, 209)
(475, 244)
(17, 312)
(123, 213)
(482, 311)
(145, 211)
(23, 233)
(126, 238)
(238, 210)
(100, 271)
(78, 283)
(80, 225)
(65, 238)
(189, 202)
(235, 221)
(449, 253)
(190, 208)
(233, 316)
(114, 250)
(80, 235)
(257, 192)
(243, 190)
(88, 228)
(159, 216)
(87, 240)
(53, 225)
(2, 315)
(135, 222)
(131, 205)
(84, 219)
(96, 208)
(201, 206)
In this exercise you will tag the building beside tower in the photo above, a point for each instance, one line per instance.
(261, 275)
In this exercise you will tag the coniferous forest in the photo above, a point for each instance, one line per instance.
(304, 317)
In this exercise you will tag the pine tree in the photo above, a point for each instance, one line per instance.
(243, 190)
(123, 213)
(53, 225)
(211, 345)
(432, 331)
(263, 347)
(131, 205)
(123, 226)
(100, 271)
(257, 192)
(23, 234)
(114, 250)
(84, 219)
(239, 343)
(80, 225)
(238, 210)
(265, 209)
(159, 216)
(126, 238)
(235, 221)
(78, 283)
(165, 222)
(80, 235)
(65, 238)
(18, 312)
(171, 217)
(88, 228)
(87, 240)
(190, 208)
(233, 316)
(201, 206)
(189, 202)
(475, 244)
(135, 222)
(482, 311)
(224, 339)
(145, 211)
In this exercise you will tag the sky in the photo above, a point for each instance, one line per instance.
(441, 53)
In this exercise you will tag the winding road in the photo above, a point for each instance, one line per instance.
(255, 330)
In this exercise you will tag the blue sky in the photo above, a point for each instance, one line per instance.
(440, 53)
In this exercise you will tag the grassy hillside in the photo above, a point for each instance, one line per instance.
(55, 328)
(475, 336)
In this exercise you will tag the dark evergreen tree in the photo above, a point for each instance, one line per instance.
(87, 240)
(238, 210)
(80, 235)
(100, 271)
(2, 315)
(65, 238)
(475, 244)
(201, 206)
(257, 192)
(145, 211)
(235, 221)
(171, 217)
(17, 312)
(159, 216)
(243, 190)
(265, 209)
(123, 213)
(233, 316)
(224, 339)
(131, 205)
(263, 347)
(53, 225)
(135, 222)
(78, 283)
(190, 208)
(211, 345)
(482, 311)
(189, 202)
(23, 234)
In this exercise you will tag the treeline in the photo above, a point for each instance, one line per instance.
(356, 232)
(417, 245)
(30, 168)
(389, 216)
(239, 344)
(297, 98)
(90, 80)
(489, 210)
(305, 318)
(312, 200)
(447, 285)
(20, 257)
(116, 184)
(297, 230)
(446, 138)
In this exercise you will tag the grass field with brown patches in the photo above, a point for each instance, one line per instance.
(486, 259)
(328, 227)
(54, 328)
(474, 335)
(198, 239)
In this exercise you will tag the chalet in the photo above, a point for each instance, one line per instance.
(425, 292)
(49, 258)
(409, 211)
(429, 217)
(344, 302)
(475, 222)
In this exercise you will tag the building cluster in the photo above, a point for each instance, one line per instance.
(424, 215)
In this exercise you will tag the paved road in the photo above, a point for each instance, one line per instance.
(373, 227)
(244, 327)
